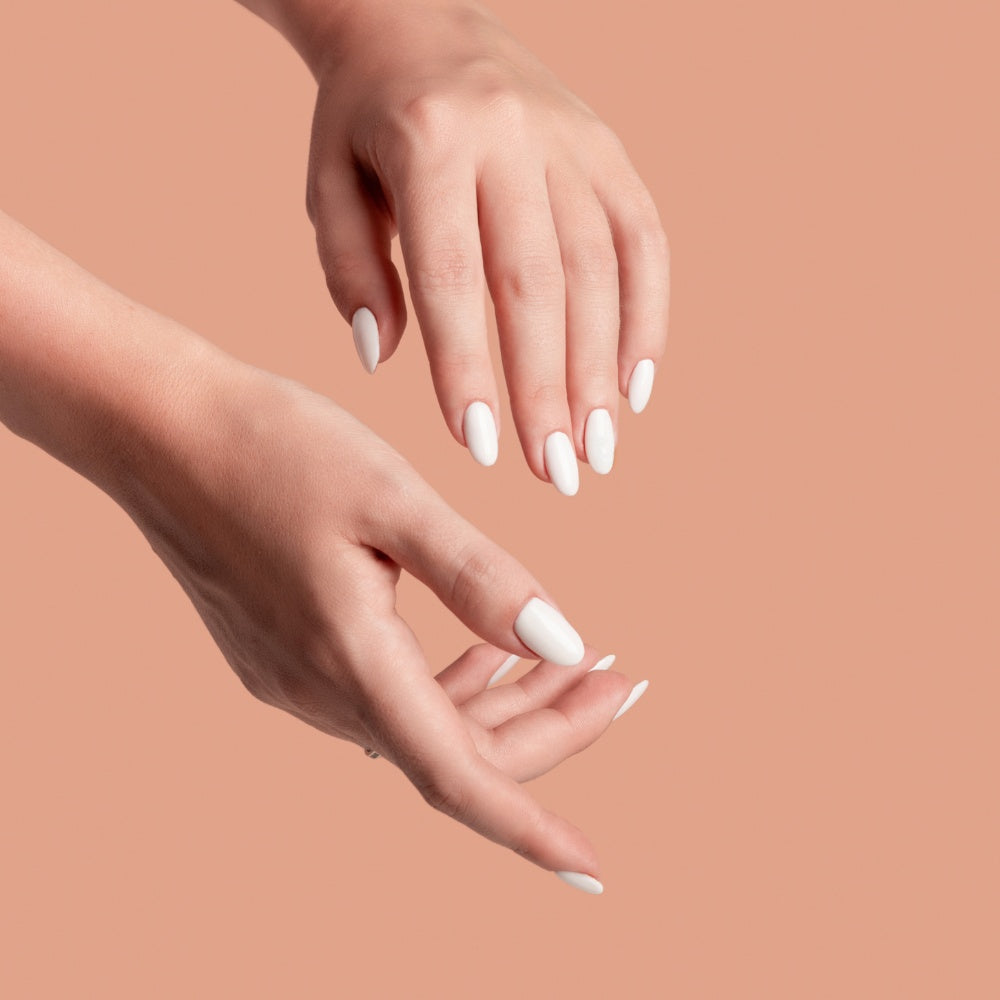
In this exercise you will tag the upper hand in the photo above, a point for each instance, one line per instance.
(433, 122)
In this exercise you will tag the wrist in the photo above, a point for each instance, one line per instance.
(310, 26)
(321, 31)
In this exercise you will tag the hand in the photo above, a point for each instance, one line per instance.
(287, 524)
(431, 120)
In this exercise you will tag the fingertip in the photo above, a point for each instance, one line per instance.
(583, 882)
(640, 385)
(561, 464)
(479, 429)
(364, 326)
(600, 440)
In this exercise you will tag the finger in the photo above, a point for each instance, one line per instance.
(590, 265)
(475, 578)
(419, 729)
(540, 686)
(525, 276)
(439, 236)
(644, 275)
(474, 671)
(535, 742)
(354, 236)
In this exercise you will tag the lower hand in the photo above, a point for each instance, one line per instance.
(287, 523)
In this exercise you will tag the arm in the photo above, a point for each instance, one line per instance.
(288, 523)
(433, 122)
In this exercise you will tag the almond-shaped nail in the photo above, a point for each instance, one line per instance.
(547, 634)
(637, 692)
(640, 385)
(480, 432)
(560, 463)
(503, 669)
(604, 664)
(585, 883)
(365, 329)
(599, 441)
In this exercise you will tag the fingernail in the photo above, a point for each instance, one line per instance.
(604, 664)
(560, 463)
(503, 669)
(640, 385)
(637, 692)
(547, 634)
(586, 883)
(480, 431)
(365, 329)
(599, 441)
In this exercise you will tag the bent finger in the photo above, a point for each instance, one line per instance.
(644, 274)
(354, 237)
(531, 744)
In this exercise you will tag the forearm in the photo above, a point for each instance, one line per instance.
(96, 380)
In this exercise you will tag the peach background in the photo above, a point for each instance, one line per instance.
(799, 546)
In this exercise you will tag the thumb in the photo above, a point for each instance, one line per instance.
(354, 238)
(481, 583)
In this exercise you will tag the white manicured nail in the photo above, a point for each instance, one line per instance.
(504, 669)
(480, 431)
(586, 883)
(604, 664)
(637, 692)
(547, 634)
(599, 441)
(365, 329)
(560, 463)
(640, 385)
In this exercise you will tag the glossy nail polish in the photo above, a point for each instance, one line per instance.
(599, 441)
(637, 692)
(560, 463)
(640, 385)
(365, 329)
(585, 883)
(547, 634)
(604, 664)
(504, 669)
(480, 432)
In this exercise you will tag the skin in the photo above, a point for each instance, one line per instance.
(288, 524)
(432, 122)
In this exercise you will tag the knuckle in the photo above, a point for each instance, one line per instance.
(507, 110)
(545, 396)
(457, 370)
(344, 270)
(591, 263)
(530, 281)
(446, 795)
(392, 498)
(255, 686)
(653, 240)
(646, 236)
(595, 369)
(449, 269)
(477, 579)
(428, 119)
